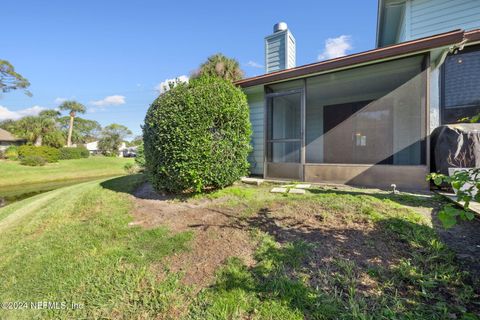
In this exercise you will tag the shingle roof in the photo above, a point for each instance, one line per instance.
(7, 136)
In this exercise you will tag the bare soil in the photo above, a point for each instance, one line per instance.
(464, 240)
(213, 243)
(221, 233)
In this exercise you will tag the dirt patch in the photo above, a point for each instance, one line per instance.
(345, 244)
(213, 242)
(464, 240)
(220, 233)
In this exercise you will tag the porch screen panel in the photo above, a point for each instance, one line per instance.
(284, 128)
(368, 115)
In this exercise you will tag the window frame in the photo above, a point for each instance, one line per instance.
(443, 75)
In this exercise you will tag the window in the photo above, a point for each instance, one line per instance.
(461, 85)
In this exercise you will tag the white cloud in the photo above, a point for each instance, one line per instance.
(109, 101)
(164, 85)
(60, 100)
(254, 64)
(336, 47)
(5, 113)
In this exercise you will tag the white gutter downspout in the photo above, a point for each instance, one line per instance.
(434, 84)
(455, 47)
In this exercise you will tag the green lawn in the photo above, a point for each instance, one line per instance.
(329, 254)
(12, 173)
(73, 245)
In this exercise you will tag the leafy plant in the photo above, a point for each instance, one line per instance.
(473, 119)
(131, 168)
(140, 156)
(33, 161)
(197, 136)
(84, 130)
(12, 80)
(466, 183)
(73, 107)
(37, 130)
(221, 66)
(11, 153)
(48, 153)
(112, 138)
(73, 153)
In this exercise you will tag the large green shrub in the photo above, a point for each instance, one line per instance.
(48, 153)
(33, 161)
(73, 153)
(197, 136)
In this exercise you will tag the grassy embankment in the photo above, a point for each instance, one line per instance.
(74, 245)
(326, 255)
(12, 173)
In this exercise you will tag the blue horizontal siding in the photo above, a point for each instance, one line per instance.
(256, 103)
(429, 17)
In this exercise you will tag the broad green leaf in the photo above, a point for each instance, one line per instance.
(447, 220)
(469, 215)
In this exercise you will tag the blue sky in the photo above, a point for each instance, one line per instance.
(110, 55)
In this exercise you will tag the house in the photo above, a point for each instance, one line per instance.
(7, 139)
(92, 147)
(365, 119)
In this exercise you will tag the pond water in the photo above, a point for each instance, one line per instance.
(10, 194)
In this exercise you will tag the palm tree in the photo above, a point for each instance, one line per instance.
(73, 107)
(221, 66)
(30, 128)
(35, 128)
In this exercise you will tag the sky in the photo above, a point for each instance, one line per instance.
(112, 56)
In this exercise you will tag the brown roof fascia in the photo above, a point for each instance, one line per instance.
(403, 48)
(473, 35)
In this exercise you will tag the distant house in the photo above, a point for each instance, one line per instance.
(7, 139)
(92, 147)
(366, 118)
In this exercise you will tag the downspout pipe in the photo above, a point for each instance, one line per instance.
(451, 49)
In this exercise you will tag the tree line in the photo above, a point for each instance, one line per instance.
(50, 128)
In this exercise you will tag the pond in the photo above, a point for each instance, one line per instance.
(10, 194)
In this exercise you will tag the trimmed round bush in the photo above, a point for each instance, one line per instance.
(48, 153)
(33, 161)
(73, 153)
(197, 136)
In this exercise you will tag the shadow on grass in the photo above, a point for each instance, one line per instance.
(125, 184)
(137, 185)
(391, 268)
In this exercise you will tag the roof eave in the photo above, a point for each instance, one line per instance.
(392, 51)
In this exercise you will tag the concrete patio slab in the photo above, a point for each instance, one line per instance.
(296, 191)
(254, 181)
(303, 186)
(473, 206)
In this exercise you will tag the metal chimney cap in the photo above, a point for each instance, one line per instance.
(281, 26)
